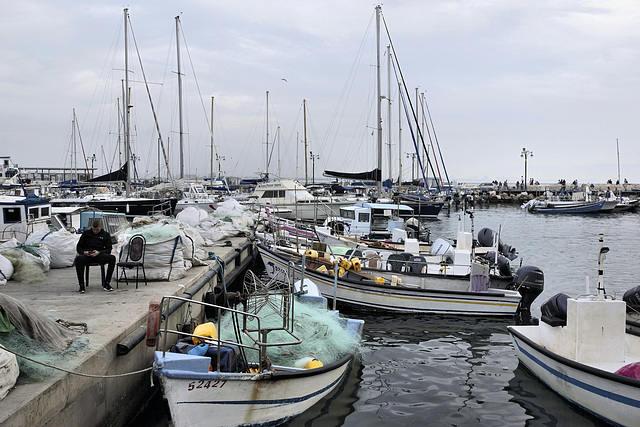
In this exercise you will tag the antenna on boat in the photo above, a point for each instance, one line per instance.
(601, 256)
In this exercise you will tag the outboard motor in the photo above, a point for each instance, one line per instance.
(632, 298)
(554, 311)
(529, 283)
(485, 238)
(503, 263)
(412, 227)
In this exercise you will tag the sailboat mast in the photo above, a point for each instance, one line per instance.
(127, 106)
(618, 152)
(306, 163)
(389, 108)
(267, 160)
(74, 153)
(180, 97)
(379, 106)
(399, 136)
(211, 165)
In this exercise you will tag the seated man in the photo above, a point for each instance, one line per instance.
(94, 246)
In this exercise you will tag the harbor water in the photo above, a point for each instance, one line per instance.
(458, 371)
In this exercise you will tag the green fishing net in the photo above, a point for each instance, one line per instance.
(323, 335)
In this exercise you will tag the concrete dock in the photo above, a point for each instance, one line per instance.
(114, 342)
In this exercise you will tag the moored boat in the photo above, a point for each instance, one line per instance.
(261, 365)
(582, 351)
(570, 207)
(435, 295)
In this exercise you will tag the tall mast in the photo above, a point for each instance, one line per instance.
(389, 109)
(618, 152)
(279, 170)
(306, 164)
(74, 153)
(379, 99)
(120, 135)
(267, 161)
(399, 135)
(180, 97)
(127, 105)
(211, 166)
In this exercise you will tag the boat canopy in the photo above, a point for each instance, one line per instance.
(386, 206)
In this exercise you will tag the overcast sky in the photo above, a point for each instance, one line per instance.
(559, 78)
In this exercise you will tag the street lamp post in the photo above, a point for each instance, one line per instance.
(313, 166)
(93, 159)
(525, 153)
(413, 166)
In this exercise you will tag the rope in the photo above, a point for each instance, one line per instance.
(73, 372)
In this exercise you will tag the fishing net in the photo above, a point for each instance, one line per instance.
(30, 262)
(37, 337)
(32, 372)
(322, 332)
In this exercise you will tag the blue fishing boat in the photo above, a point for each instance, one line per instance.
(572, 207)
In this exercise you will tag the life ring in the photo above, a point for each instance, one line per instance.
(153, 323)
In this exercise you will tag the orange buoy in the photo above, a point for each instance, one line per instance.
(153, 322)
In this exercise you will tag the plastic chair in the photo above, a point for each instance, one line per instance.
(86, 272)
(135, 259)
(416, 264)
(397, 262)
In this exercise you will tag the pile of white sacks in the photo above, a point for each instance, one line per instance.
(173, 245)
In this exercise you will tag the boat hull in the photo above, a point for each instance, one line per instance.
(232, 399)
(611, 397)
(424, 209)
(135, 207)
(601, 206)
(368, 296)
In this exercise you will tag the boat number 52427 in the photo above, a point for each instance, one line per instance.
(205, 384)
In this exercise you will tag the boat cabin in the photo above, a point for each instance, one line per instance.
(281, 192)
(20, 216)
(369, 219)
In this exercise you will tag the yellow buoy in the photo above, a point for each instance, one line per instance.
(379, 280)
(310, 253)
(322, 269)
(312, 364)
(356, 264)
(205, 330)
(345, 263)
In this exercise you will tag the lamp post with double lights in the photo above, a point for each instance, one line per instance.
(313, 165)
(93, 159)
(526, 154)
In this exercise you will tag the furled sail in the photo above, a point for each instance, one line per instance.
(374, 175)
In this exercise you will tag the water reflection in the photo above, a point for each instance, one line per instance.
(542, 404)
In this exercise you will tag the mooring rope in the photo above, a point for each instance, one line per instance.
(73, 372)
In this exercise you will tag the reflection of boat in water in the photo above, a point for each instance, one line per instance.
(335, 407)
(542, 405)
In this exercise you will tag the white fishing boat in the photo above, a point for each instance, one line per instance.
(582, 351)
(378, 292)
(194, 195)
(21, 216)
(263, 365)
(289, 199)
